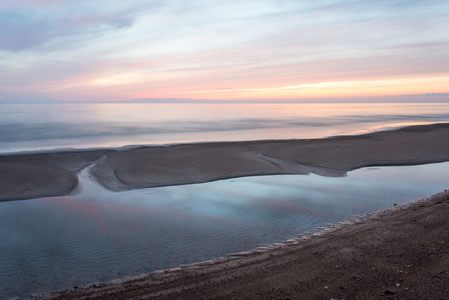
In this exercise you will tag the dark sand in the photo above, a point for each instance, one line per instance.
(50, 174)
(398, 254)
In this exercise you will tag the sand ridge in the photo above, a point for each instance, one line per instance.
(54, 173)
(399, 255)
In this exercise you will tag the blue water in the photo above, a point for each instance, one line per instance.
(28, 127)
(98, 235)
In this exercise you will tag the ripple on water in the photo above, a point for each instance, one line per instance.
(98, 235)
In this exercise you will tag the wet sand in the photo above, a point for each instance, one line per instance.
(399, 253)
(50, 174)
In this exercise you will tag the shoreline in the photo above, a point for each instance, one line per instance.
(394, 253)
(170, 144)
(401, 252)
(26, 176)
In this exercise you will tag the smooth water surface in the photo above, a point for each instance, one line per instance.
(27, 127)
(98, 235)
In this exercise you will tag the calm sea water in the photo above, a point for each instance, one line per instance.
(99, 235)
(25, 127)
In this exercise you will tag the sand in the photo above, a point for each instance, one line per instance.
(51, 174)
(397, 254)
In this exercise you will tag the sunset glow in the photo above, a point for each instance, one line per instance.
(213, 50)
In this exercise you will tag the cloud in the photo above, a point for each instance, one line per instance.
(438, 94)
(151, 48)
(27, 24)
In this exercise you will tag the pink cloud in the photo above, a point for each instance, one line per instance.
(37, 2)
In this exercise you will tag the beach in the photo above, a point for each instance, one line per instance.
(224, 150)
(399, 253)
(55, 173)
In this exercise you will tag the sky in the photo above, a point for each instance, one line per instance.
(245, 50)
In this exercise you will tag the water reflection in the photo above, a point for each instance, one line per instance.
(36, 127)
(99, 235)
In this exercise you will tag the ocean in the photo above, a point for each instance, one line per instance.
(31, 127)
(97, 235)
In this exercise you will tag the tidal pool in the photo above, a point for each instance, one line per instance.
(98, 235)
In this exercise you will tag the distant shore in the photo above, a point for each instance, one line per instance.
(26, 176)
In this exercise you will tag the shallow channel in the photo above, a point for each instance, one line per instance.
(98, 235)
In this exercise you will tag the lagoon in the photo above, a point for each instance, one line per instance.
(98, 235)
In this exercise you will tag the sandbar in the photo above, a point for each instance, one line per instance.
(32, 175)
(400, 253)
